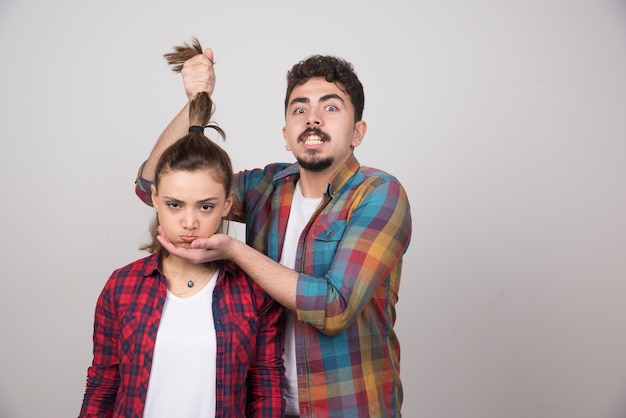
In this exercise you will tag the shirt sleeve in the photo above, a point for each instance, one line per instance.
(142, 187)
(361, 258)
(266, 374)
(103, 375)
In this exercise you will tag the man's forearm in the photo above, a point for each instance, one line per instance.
(177, 128)
(277, 280)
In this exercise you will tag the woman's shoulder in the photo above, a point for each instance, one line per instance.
(134, 271)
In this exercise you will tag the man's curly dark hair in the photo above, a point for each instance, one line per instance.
(334, 70)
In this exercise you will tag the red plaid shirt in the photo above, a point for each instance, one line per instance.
(249, 378)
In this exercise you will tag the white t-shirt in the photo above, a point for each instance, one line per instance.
(301, 210)
(182, 378)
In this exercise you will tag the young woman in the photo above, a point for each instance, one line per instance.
(173, 338)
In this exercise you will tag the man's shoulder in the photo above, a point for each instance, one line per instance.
(372, 172)
(272, 170)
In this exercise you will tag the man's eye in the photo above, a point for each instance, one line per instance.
(331, 108)
(299, 111)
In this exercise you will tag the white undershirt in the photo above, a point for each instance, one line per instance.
(182, 378)
(301, 210)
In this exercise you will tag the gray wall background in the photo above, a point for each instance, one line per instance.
(505, 120)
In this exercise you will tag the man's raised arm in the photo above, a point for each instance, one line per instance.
(198, 76)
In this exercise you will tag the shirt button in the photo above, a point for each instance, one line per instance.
(219, 384)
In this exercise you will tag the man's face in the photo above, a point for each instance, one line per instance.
(319, 126)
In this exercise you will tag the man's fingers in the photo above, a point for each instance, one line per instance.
(209, 54)
(198, 75)
(193, 255)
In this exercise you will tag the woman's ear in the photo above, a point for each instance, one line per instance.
(155, 201)
(228, 203)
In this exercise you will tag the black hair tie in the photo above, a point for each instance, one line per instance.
(196, 128)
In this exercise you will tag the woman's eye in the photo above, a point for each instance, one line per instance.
(173, 205)
(207, 207)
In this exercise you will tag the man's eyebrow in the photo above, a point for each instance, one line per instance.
(299, 100)
(331, 96)
(322, 99)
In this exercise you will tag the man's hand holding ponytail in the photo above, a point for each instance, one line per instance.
(199, 75)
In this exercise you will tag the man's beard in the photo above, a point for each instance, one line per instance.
(315, 165)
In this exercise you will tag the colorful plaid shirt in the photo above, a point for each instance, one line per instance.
(248, 327)
(349, 258)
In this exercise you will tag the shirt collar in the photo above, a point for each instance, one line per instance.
(345, 172)
(343, 175)
(152, 265)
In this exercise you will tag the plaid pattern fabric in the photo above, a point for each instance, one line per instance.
(350, 259)
(249, 364)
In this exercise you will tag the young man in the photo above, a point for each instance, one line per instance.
(325, 238)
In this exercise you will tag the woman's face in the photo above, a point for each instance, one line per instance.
(190, 205)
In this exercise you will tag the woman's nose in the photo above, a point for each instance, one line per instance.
(190, 221)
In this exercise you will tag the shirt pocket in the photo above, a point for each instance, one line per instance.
(326, 239)
(133, 332)
(245, 329)
(127, 338)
